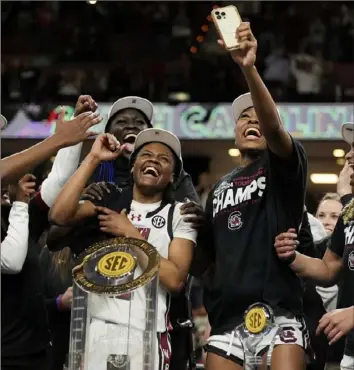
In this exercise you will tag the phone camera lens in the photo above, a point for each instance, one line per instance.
(223, 14)
(218, 17)
(217, 13)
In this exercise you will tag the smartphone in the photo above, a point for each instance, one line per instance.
(226, 20)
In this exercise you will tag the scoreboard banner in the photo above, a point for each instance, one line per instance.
(197, 121)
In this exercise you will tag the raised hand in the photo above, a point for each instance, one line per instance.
(25, 188)
(245, 55)
(85, 103)
(77, 129)
(106, 147)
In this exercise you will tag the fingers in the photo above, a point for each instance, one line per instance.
(93, 194)
(289, 236)
(27, 178)
(285, 250)
(336, 337)
(90, 119)
(322, 324)
(103, 185)
(61, 117)
(196, 221)
(113, 143)
(105, 210)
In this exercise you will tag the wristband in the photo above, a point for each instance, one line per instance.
(58, 302)
(290, 260)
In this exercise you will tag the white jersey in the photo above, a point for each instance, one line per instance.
(153, 223)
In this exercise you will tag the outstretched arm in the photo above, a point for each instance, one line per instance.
(67, 134)
(277, 138)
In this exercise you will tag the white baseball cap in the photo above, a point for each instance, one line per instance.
(348, 132)
(135, 102)
(158, 135)
(3, 122)
(240, 104)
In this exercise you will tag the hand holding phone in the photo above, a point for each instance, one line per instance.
(236, 36)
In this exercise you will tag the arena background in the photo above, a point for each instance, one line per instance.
(51, 52)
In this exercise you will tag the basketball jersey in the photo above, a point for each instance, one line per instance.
(158, 225)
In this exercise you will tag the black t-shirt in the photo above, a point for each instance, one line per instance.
(245, 211)
(342, 244)
(24, 329)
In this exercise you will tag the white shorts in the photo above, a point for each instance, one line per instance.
(347, 363)
(107, 344)
(294, 332)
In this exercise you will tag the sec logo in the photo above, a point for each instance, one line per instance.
(256, 320)
(116, 264)
(158, 222)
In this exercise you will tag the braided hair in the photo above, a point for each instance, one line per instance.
(348, 212)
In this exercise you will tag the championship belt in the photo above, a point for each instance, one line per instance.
(114, 307)
(258, 331)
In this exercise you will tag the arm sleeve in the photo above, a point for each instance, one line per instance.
(64, 166)
(337, 241)
(185, 189)
(15, 245)
(182, 229)
(291, 171)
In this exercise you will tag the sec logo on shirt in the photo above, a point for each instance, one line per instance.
(256, 320)
(158, 222)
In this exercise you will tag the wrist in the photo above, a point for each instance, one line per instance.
(59, 303)
(93, 159)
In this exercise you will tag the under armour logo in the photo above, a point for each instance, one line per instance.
(133, 217)
(134, 101)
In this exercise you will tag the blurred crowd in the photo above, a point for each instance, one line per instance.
(56, 50)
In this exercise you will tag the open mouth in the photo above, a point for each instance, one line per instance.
(129, 141)
(252, 132)
(151, 171)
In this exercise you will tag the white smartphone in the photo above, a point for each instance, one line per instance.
(226, 20)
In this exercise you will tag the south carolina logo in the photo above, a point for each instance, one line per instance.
(235, 221)
(351, 260)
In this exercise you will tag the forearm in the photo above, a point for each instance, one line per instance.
(66, 204)
(64, 166)
(314, 269)
(169, 275)
(264, 104)
(267, 113)
(15, 245)
(15, 166)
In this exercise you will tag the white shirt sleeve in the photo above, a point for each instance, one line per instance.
(182, 229)
(15, 245)
(64, 166)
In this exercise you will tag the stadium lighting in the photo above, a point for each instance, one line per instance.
(338, 153)
(324, 178)
(92, 2)
(233, 152)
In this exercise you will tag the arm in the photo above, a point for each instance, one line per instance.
(174, 270)
(324, 272)
(67, 209)
(67, 134)
(15, 245)
(270, 123)
(13, 167)
(277, 138)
